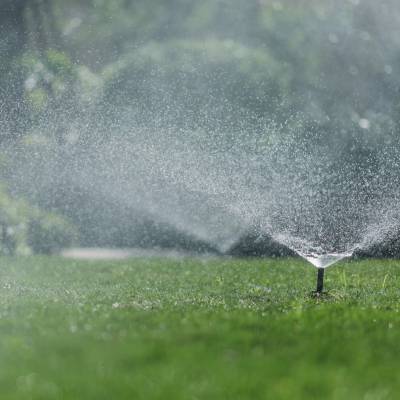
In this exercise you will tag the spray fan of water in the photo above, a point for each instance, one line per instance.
(210, 136)
(311, 195)
(214, 172)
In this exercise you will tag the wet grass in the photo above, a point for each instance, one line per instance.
(216, 329)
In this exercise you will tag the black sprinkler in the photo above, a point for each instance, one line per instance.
(320, 281)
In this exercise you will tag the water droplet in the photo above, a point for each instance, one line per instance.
(364, 123)
(388, 69)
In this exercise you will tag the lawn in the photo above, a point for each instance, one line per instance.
(198, 329)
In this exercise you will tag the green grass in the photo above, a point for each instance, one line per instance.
(216, 329)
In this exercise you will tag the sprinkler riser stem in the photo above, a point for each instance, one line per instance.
(320, 280)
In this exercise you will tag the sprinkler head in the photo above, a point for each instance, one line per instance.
(320, 280)
(320, 283)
